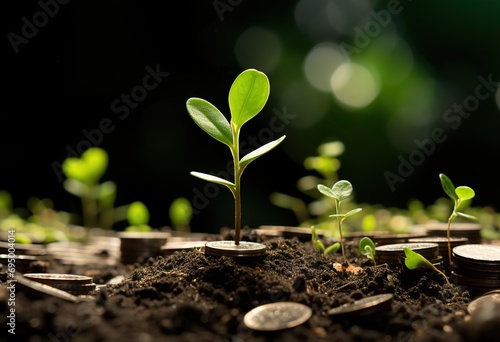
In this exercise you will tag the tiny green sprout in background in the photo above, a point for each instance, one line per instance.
(459, 195)
(341, 190)
(138, 217)
(180, 213)
(83, 176)
(247, 97)
(414, 260)
(367, 248)
(320, 246)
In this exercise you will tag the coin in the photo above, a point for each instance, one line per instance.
(479, 302)
(364, 306)
(137, 246)
(44, 289)
(392, 253)
(277, 316)
(230, 248)
(56, 278)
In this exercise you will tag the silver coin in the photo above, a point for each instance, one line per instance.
(478, 303)
(44, 289)
(56, 278)
(364, 306)
(230, 248)
(277, 316)
(478, 252)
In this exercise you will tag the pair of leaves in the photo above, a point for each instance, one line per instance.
(340, 191)
(247, 96)
(87, 169)
(458, 194)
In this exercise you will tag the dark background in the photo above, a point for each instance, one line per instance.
(88, 53)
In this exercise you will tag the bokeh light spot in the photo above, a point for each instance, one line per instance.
(354, 85)
(320, 64)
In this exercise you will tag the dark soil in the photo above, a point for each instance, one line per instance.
(189, 296)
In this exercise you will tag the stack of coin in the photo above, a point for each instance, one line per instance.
(477, 267)
(442, 246)
(72, 283)
(393, 254)
(139, 246)
(244, 249)
(21, 263)
(389, 238)
(469, 230)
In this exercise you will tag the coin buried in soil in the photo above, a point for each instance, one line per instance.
(277, 316)
(364, 306)
(228, 248)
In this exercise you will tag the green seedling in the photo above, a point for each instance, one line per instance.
(138, 217)
(341, 190)
(459, 195)
(83, 177)
(414, 260)
(367, 248)
(320, 246)
(180, 213)
(247, 97)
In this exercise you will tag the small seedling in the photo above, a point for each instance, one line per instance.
(83, 177)
(320, 246)
(341, 190)
(459, 195)
(414, 260)
(138, 217)
(367, 248)
(247, 96)
(181, 212)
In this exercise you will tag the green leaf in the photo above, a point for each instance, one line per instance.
(260, 151)
(366, 246)
(470, 217)
(107, 192)
(464, 193)
(342, 189)
(137, 214)
(326, 191)
(333, 248)
(448, 186)
(89, 168)
(75, 187)
(181, 212)
(247, 96)
(352, 212)
(213, 179)
(414, 260)
(210, 119)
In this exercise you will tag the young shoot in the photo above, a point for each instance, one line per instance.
(83, 180)
(320, 246)
(367, 248)
(247, 96)
(459, 195)
(414, 260)
(341, 190)
(138, 217)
